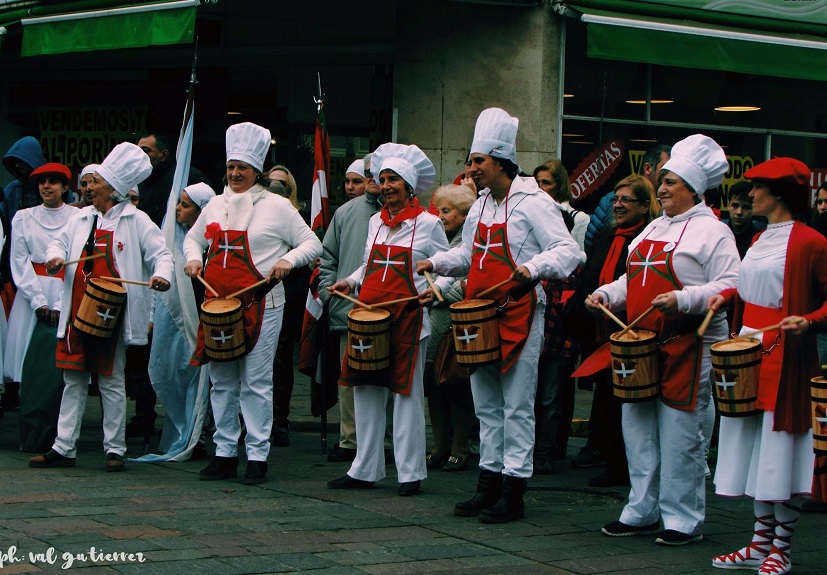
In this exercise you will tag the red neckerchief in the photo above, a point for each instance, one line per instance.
(409, 212)
(621, 239)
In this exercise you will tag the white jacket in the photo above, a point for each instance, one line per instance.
(140, 253)
(275, 231)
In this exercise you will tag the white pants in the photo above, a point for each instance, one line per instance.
(665, 449)
(246, 384)
(504, 404)
(73, 404)
(370, 402)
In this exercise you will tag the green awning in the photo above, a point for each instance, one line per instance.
(154, 24)
(691, 44)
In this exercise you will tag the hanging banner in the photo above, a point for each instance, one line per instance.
(594, 170)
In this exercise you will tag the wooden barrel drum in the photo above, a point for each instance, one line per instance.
(635, 374)
(818, 387)
(100, 308)
(736, 365)
(223, 328)
(369, 346)
(476, 333)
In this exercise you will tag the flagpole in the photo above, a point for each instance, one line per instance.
(321, 342)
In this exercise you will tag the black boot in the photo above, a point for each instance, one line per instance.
(220, 468)
(489, 486)
(510, 506)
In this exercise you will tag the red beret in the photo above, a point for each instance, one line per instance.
(51, 169)
(780, 169)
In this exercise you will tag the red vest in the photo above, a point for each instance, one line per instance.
(229, 267)
(388, 277)
(491, 263)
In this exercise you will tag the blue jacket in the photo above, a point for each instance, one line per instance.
(21, 194)
(601, 218)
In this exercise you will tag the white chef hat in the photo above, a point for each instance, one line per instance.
(357, 167)
(700, 161)
(124, 168)
(496, 135)
(200, 194)
(248, 143)
(90, 169)
(409, 162)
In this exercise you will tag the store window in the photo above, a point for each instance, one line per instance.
(637, 106)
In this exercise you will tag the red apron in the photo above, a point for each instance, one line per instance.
(649, 272)
(80, 351)
(229, 267)
(491, 263)
(388, 277)
(772, 358)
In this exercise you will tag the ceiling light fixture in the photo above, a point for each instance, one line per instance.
(651, 101)
(737, 108)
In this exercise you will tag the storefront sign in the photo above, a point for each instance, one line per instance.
(80, 136)
(593, 171)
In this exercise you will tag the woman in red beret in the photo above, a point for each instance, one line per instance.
(34, 314)
(783, 280)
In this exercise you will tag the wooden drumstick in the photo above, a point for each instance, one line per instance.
(395, 301)
(705, 322)
(437, 293)
(634, 323)
(613, 317)
(248, 288)
(485, 292)
(350, 299)
(208, 286)
(83, 259)
(123, 281)
(753, 333)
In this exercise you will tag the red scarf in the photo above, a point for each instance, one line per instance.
(620, 241)
(409, 212)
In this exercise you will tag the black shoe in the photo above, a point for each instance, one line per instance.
(281, 437)
(409, 488)
(588, 457)
(114, 462)
(620, 529)
(341, 454)
(455, 463)
(510, 506)
(220, 468)
(489, 488)
(256, 473)
(348, 482)
(51, 459)
(607, 479)
(434, 461)
(672, 537)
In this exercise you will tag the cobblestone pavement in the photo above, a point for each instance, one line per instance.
(159, 519)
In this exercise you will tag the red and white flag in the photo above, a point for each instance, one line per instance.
(319, 204)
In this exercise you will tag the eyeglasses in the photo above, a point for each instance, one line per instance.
(625, 200)
(283, 183)
(821, 201)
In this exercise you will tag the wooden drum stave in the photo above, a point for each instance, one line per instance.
(369, 346)
(635, 373)
(476, 332)
(100, 308)
(221, 320)
(736, 366)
